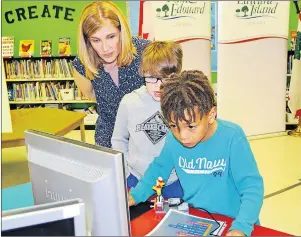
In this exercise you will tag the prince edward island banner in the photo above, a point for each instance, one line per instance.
(252, 58)
(180, 20)
(253, 19)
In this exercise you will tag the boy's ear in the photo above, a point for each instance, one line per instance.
(212, 115)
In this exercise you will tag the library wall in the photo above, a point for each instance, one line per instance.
(49, 20)
(6, 124)
(36, 20)
(52, 28)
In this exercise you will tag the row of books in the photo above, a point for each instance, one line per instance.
(44, 91)
(41, 68)
(56, 106)
(27, 47)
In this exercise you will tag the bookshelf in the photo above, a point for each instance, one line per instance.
(40, 79)
(50, 102)
(42, 82)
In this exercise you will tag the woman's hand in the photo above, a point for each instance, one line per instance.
(131, 200)
(84, 85)
(235, 233)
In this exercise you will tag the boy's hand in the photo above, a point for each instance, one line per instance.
(235, 233)
(131, 200)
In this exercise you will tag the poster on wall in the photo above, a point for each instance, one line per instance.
(7, 46)
(253, 19)
(46, 48)
(135, 12)
(26, 48)
(187, 22)
(64, 46)
(180, 20)
(252, 58)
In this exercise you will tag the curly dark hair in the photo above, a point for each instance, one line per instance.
(186, 91)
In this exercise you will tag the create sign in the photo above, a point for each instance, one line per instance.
(32, 12)
(244, 20)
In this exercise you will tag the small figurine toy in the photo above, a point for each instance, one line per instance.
(160, 205)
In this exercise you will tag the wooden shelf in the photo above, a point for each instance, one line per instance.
(63, 69)
(52, 102)
(41, 79)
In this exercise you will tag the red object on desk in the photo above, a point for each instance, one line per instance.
(143, 224)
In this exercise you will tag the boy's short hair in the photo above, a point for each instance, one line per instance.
(184, 92)
(161, 58)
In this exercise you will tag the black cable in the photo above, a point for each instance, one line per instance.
(203, 209)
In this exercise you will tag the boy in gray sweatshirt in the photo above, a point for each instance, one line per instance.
(140, 129)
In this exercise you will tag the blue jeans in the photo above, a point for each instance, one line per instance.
(173, 190)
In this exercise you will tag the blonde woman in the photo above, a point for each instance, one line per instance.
(107, 66)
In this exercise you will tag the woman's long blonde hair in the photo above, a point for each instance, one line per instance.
(93, 17)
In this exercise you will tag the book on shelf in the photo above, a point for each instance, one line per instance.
(64, 46)
(40, 68)
(44, 91)
(7, 46)
(46, 48)
(57, 106)
(26, 48)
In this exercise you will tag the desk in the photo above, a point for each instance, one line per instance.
(49, 120)
(143, 224)
(140, 226)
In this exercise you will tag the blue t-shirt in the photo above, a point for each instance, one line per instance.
(220, 175)
(108, 94)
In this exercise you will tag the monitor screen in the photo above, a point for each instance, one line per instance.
(55, 228)
(65, 218)
(62, 169)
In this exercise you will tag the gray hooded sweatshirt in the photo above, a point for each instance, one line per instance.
(140, 132)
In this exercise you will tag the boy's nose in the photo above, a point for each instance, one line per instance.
(183, 136)
(158, 84)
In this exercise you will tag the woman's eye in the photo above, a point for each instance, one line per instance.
(95, 40)
(172, 126)
(191, 127)
(112, 36)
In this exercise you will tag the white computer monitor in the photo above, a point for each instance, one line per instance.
(62, 168)
(66, 218)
